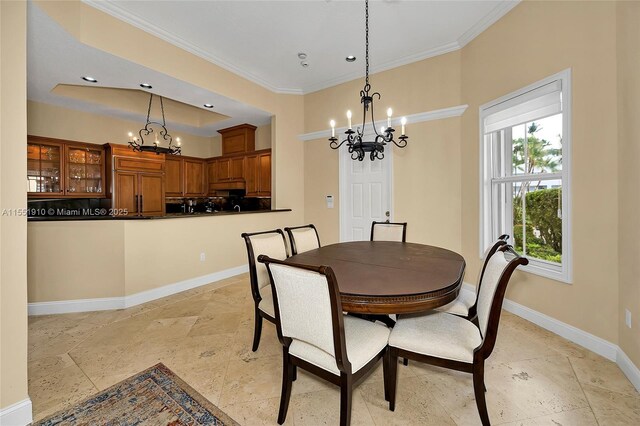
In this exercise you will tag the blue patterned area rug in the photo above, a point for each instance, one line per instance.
(155, 396)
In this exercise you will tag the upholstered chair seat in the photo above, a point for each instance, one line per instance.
(437, 334)
(364, 340)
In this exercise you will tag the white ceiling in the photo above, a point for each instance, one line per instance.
(260, 40)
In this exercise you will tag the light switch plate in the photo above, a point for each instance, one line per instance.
(329, 201)
(203, 257)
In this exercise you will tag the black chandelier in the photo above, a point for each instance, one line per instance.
(138, 145)
(355, 143)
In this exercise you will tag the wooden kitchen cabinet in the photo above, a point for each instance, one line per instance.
(139, 193)
(174, 176)
(238, 139)
(138, 181)
(151, 194)
(258, 174)
(229, 169)
(195, 184)
(45, 168)
(185, 177)
(84, 171)
(64, 169)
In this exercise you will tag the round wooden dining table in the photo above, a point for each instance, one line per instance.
(384, 277)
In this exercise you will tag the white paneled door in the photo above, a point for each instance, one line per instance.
(365, 194)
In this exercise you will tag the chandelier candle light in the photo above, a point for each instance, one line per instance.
(138, 144)
(354, 139)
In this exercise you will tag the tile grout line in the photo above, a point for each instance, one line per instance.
(582, 390)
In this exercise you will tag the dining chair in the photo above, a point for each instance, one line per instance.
(273, 244)
(465, 304)
(303, 238)
(389, 231)
(453, 342)
(317, 337)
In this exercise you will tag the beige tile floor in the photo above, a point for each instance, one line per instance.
(204, 335)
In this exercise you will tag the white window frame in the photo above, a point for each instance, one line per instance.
(564, 273)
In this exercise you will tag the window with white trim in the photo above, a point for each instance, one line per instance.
(525, 170)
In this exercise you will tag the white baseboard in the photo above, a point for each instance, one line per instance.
(109, 303)
(595, 344)
(18, 414)
(628, 368)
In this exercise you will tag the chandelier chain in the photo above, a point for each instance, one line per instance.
(366, 32)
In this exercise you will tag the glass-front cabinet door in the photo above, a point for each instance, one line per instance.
(44, 169)
(84, 170)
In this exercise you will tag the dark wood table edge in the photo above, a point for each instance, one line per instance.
(408, 304)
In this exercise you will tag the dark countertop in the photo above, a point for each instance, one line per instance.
(168, 216)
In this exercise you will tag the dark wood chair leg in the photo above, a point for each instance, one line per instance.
(405, 362)
(393, 377)
(295, 373)
(386, 361)
(287, 380)
(257, 330)
(479, 390)
(346, 388)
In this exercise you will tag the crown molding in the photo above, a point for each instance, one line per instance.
(437, 114)
(489, 19)
(120, 13)
(437, 51)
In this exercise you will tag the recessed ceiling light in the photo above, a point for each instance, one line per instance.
(350, 58)
(89, 79)
(302, 55)
(208, 106)
(146, 85)
(304, 64)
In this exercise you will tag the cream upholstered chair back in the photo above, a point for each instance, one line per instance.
(304, 306)
(382, 231)
(303, 238)
(502, 240)
(271, 244)
(496, 276)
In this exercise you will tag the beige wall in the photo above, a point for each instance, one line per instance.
(94, 259)
(72, 124)
(419, 189)
(76, 260)
(13, 229)
(182, 240)
(533, 41)
(629, 174)
(263, 137)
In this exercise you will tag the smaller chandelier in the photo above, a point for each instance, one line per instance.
(159, 130)
(356, 144)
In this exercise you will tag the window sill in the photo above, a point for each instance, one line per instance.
(537, 268)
